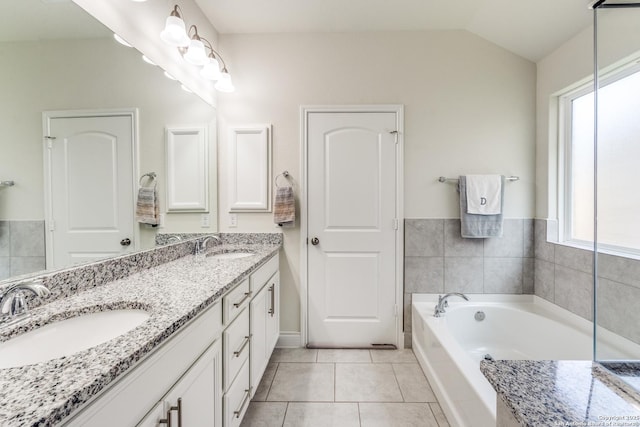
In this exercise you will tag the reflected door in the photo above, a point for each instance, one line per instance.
(90, 188)
(351, 229)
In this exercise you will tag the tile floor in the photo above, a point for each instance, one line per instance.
(344, 388)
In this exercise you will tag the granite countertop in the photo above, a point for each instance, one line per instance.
(173, 293)
(560, 393)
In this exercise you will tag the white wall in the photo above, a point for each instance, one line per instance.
(469, 108)
(568, 66)
(87, 74)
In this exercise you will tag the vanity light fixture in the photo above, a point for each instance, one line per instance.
(169, 76)
(186, 89)
(193, 48)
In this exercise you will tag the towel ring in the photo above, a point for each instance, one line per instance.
(284, 174)
(150, 175)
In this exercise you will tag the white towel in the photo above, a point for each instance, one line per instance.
(147, 209)
(484, 194)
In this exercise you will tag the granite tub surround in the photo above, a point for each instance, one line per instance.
(172, 293)
(559, 393)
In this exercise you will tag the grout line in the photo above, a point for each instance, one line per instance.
(286, 409)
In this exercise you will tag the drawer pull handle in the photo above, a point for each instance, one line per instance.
(244, 344)
(272, 310)
(247, 394)
(247, 295)
(178, 408)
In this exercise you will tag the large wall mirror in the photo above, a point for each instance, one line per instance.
(56, 57)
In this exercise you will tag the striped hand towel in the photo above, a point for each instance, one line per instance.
(284, 207)
(147, 209)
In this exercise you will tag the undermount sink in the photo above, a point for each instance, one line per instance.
(68, 336)
(230, 255)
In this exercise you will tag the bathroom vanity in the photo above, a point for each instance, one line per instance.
(213, 324)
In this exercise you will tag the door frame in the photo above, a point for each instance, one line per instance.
(305, 110)
(47, 116)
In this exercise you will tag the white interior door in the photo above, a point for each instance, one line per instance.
(352, 228)
(90, 188)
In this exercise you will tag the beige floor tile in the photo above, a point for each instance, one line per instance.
(303, 382)
(265, 382)
(439, 414)
(393, 356)
(413, 383)
(294, 355)
(344, 356)
(265, 414)
(396, 415)
(358, 382)
(322, 415)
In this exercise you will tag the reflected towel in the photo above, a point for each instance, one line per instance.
(284, 207)
(484, 194)
(147, 209)
(479, 226)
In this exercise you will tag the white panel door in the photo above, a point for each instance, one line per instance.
(91, 187)
(351, 229)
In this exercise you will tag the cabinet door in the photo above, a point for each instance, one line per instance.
(152, 419)
(257, 355)
(197, 397)
(273, 314)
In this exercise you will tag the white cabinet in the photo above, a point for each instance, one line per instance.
(265, 328)
(195, 400)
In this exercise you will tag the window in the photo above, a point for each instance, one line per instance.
(618, 163)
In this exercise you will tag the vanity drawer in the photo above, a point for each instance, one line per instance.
(235, 301)
(260, 277)
(236, 345)
(236, 400)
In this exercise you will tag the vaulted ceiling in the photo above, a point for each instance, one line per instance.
(531, 29)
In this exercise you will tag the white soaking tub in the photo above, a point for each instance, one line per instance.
(450, 348)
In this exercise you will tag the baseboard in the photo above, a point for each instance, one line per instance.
(289, 340)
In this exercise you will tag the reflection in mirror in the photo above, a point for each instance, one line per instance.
(55, 57)
(617, 296)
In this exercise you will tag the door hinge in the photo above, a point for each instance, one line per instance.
(49, 140)
(52, 225)
(396, 223)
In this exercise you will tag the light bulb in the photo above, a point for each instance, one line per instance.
(196, 54)
(169, 76)
(174, 33)
(224, 83)
(147, 60)
(121, 40)
(211, 70)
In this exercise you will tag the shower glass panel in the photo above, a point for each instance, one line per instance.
(616, 175)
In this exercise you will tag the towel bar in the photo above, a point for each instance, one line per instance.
(507, 178)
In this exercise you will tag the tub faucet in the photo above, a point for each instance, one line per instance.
(201, 246)
(13, 303)
(442, 302)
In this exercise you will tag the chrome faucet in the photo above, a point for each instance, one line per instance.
(443, 303)
(13, 304)
(201, 246)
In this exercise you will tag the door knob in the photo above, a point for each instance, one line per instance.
(315, 241)
(125, 242)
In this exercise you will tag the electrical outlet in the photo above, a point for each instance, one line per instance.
(204, 221)
(233, 220)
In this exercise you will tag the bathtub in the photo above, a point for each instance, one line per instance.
(450, 348)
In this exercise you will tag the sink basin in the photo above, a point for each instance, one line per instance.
(231, 255)
(69, 336)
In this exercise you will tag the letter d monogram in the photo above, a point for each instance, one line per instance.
(483, 201)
